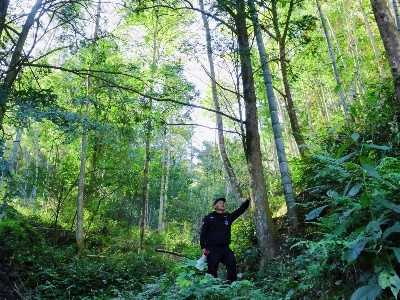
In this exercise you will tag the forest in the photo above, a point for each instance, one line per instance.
(123, 120)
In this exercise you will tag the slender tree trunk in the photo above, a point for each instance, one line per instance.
(283, 62)
(258, 191)
(145, 181)
(372, 39)
(148, 129)
(3, 13)
(396, 13)
(166, 153)
(342, 102)
(162, 189)
(16, 60)
(283, 164)
(236, 188)
(81, 180)
(11, 162)
(168, 166)
(339, 49)
(391, 41)
(35, 183)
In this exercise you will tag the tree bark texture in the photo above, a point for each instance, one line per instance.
(11, 162)
(291, 110)
(283, 164)
(16, 59)
(372, 39)
(81, 182)
(236, 188)
(342, 102)
(258, 191)
(162, 189)
(391, 41)
(3, 13)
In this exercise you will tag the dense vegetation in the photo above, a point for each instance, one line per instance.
(105, 177)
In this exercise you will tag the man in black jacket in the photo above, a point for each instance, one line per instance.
(215, 238)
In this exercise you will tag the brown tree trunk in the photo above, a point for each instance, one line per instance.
(145, 184)
(391, 40)
(3, 13)
(162, 184)
(11, 162)
(281, 38)
(236, 189)
(258, 191)
(16, 60)
(372, 39)
(81, 182)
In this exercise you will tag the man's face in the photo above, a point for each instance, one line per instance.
(219, 206)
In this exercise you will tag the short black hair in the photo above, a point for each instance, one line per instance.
(219, 199)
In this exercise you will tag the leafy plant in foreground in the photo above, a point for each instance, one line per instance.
(360, 224)
(191, 284)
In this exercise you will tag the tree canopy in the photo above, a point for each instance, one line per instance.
(121, 121)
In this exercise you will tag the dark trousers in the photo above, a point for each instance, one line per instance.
(224, 255)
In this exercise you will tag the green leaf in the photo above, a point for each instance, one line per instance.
(354, 190)
(341, 150)
(315, 213)
(355, 136)
(388, 204)
(366, 160)
(368, 292)
(337, 89)
(370, 170)
(394, 228)
(373, 230)
(344, 158)
(396, 253)
(364, 199)
(377, 147)
(334, 128)
(333, 194)
(354, 251)
(389, 278)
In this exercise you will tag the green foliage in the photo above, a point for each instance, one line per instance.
(190, 284)
(47, 265)
(356, 216)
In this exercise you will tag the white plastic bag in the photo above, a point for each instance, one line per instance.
(200, 262)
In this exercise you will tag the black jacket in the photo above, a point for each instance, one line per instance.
(216, 227)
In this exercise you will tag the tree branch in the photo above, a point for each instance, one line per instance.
(84, 72)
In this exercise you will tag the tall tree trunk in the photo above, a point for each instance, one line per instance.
(16, 59)
(11, 162)
(168, 166)
(236, 188)
(145, 184)
(148, 130)
(283, 164)
(81, 180)
(283, 62)
(372, 39)
(35, 182)
(162, 189)
(3, 13)
(396, 13)
(342, 102)
(166, 154)
(339, 49)
(258, 191)
(391, 41)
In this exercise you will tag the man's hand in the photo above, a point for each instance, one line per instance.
(205, 251)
